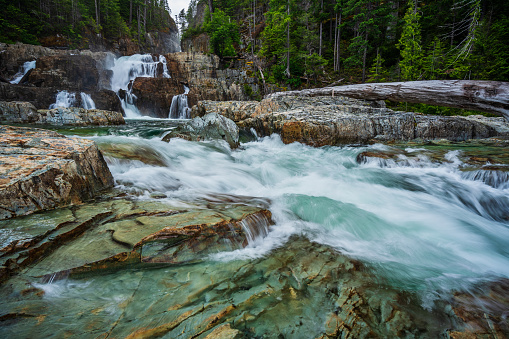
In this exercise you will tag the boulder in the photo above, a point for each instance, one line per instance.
(42, 170)
(120, 233)
(17, 112)
(211, 127)
(154, 95)
(320, 121)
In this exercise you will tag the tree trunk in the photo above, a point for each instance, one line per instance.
(364, 58)
(485, 96)
(130, 13)
(97, 16)
(288, 43)
(321, 29)
(211, 9)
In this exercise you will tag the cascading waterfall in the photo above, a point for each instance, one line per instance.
(68, 99)
(179, 108)
(128, 68)
(64, 99)
(86, 101)
(25, 68)
(166, 73)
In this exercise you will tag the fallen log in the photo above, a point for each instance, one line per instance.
(484, 96)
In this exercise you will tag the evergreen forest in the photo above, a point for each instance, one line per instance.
(296, 43)
(300, 43)
(76, 21)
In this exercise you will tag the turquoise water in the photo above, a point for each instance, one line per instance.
(420, 224)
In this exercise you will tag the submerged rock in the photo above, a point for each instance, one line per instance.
(26, 113)
(41, 170)
(211, 126)
(319, 121)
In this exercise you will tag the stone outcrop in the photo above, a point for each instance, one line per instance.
(13, 56)
(207, 81)
(211, 126)
(70, 72)
(319, 121)
(43, 97)
(154, 95)
(41, 170)
(26, 113)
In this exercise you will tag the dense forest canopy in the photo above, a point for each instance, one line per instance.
(30, 21)
(298, 41)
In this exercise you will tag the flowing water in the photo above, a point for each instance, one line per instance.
(24, 70)
(86, 101)
(64, 99)
(423, 225)
(179, 108)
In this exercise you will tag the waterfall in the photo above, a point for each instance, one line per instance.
(25, 68)
(64, 99)
(86, 101)
(162, 60)
(126, 69)
(179, 108)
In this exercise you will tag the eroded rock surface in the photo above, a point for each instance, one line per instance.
(319, 121)
(25, 113)
(41, 170)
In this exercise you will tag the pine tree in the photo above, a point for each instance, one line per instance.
(410, 44)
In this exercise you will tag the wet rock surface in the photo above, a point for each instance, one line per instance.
(320, 121)
(154, 95)
(42, 170)
(26, 113)
(211, 126)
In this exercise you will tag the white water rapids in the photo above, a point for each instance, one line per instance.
(423, 227)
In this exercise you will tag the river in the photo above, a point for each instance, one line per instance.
(402, 233)
(421, 224)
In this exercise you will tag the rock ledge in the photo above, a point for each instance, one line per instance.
(42, 170)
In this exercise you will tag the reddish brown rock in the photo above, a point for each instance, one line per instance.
(42, 170)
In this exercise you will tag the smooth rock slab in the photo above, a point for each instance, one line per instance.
(41, 170)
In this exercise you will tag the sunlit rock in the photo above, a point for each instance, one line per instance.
(42, 170)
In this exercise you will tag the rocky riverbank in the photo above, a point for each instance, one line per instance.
(319, 121)
(16, 112)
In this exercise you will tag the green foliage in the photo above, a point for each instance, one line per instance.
(274, 34)
(223, 34)
(377, 72)
(433, 110)
(29, 20)
(410, 44)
